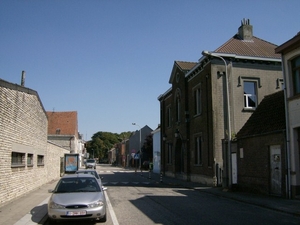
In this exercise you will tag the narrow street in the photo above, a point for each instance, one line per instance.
(136, 199)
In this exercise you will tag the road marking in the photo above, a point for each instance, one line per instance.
(111, 210)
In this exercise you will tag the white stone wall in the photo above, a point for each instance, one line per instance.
(23, 129)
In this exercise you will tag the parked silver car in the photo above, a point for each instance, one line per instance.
(90, 163)
(77, 197)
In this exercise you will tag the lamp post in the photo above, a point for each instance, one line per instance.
(139, 145)
(216, 55)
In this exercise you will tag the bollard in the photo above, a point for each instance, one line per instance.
(160, 177)
(149, 174)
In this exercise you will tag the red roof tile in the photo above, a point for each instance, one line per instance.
(254, 48)
(64, 122)
(186, 65)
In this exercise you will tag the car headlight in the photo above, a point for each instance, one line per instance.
(54, 205)
(96, 204)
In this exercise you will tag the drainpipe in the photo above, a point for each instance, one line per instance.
(288, 149)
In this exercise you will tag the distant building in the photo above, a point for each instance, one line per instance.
(156, 150)
(63, 131)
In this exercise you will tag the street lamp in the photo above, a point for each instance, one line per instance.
(139, 145)
(217, 55)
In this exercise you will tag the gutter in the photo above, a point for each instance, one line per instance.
(287, 124)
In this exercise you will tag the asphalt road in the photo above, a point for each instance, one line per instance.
(136, 199)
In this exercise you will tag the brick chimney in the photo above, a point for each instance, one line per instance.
(245, 30)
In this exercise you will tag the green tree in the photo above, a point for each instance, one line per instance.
(102, 142)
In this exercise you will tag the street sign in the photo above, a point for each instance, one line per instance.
(136, 156)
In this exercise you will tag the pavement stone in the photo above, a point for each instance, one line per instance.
(31, 209)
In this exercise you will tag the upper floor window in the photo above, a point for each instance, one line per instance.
(296, 75)
(250, 94)
(198, 151)
(169, 153)
(197, 101)
(178, 108)
(168, 116)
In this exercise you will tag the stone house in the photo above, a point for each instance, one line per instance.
(290, 52)
(261, 144)
(209, 102)
(28, 160)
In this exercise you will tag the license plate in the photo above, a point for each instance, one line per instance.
(76, 213)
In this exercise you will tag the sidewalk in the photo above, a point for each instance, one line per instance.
(271, 202)
(31, 209)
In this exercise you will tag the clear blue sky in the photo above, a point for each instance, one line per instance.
(109, 60)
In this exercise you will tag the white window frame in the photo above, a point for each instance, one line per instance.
(250, 96)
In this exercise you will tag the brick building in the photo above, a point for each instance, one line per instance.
(261, 155)
(197, 123)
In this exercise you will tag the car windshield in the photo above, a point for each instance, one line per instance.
(89, 172)
(90, 160)
(82, 184)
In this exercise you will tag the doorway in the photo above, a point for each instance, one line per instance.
(275, 165)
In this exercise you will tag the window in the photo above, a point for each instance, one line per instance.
(178, 109)
(197, 101)
(40, 160)
(169, 155)
(296, 75)
(250, 97)
(17, 159)
(198, 151)
(169, 116)
(280, 84)
(29, 159)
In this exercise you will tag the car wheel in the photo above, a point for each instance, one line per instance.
(103, 219)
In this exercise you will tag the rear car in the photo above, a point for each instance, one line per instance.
(77, 197)
(92, 172)
(90, 163)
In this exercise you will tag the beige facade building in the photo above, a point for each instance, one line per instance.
(290, 52)
(27, 159)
